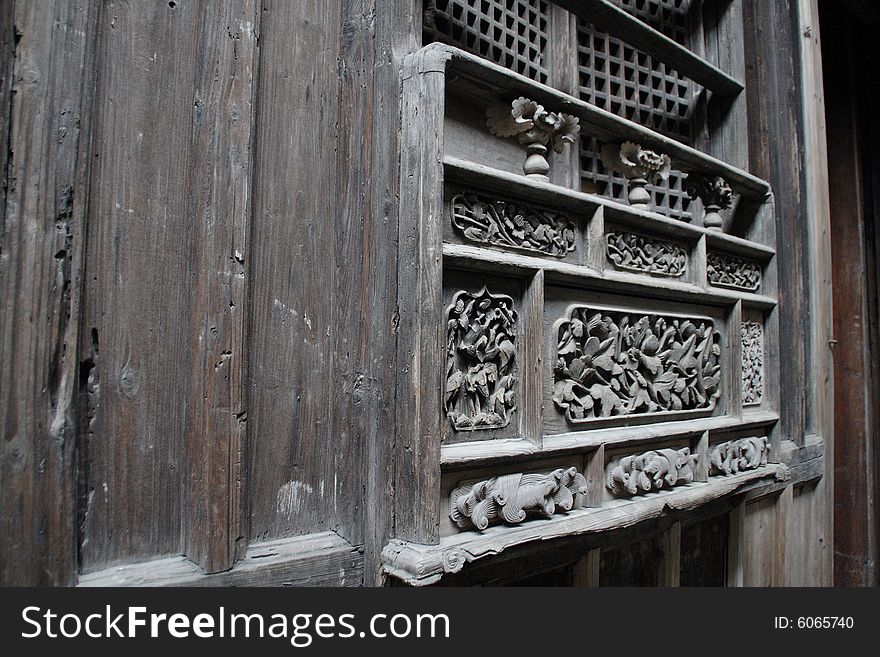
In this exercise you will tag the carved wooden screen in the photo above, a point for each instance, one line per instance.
(594, 340)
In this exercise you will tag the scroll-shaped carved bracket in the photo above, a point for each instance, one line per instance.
(651, 471)
(638, 165)
(645, 254)
(535, 128)
(738, 455)
(752, 363)
(715, 194)
(502, 223)
(611, 363)
(512, 497)
(480, 360)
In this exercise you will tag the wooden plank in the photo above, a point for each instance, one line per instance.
(397, 31)
(669, 570)
(46, 84)
(586, 569)
(322, 559)
(736, 546)
(612, 19)
(855, 357)
(532, 367)
(217, 214)
(420, 334)
(297, 461)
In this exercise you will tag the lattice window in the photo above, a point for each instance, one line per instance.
(512, 33)
(625, 81)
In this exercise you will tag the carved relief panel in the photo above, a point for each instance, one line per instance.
(752, 363)
(610, 363)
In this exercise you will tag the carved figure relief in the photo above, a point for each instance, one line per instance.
(645, 254)
(738, 455)
(732, 271)
(752, 363)
(480, 360)
(612, 363)
(715, 194)
(510, 225)
(638, 165)
(651, 471)
(535, 128)
(512, 497)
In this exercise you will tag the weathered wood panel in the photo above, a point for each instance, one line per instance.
(46, 89)
(137, 314)
(218, 199)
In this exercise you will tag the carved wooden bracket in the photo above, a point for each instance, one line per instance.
(480, 360)
(535, 128)
(511, 497)
(715, 194)
(638, 165)
(651, 471)
(738, 455)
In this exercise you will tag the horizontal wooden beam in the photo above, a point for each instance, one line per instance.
(420, 565)
(613, 20)
(323, 559)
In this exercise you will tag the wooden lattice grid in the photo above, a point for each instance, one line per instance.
(512, 33)
(623, 80)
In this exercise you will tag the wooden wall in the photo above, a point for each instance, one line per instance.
(198, 264)
(198, 269)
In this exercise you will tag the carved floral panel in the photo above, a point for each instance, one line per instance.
(645, 255)
(502, 223)
(638, 474)
(738, 455)
(733, 272)
(752, 363)
(512, 497)
(613, 363)
(480, 360)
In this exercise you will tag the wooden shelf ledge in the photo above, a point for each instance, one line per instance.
(505, 85)
(421, 565)
(618, 23)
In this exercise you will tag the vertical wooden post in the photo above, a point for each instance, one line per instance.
(669, 572)
(736, 549)
(585, 571)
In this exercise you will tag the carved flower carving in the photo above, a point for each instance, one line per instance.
(633, 161)
(622, 365)
(531, 123)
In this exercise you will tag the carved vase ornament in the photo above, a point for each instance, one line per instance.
(512, 497)
(511, 225)
(642, 473)
(715, 194)
(480, 361)
(615, 363)
(535, 128)
(638, 165)
(738, 455)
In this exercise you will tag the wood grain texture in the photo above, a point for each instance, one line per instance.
(294, 452)
(46, 89)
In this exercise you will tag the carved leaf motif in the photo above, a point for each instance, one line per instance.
(752, 363)
(480, 361)
(509, 225)
(729, 271)
(638, 253)
(622, 364)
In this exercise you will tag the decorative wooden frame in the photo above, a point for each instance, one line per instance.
(426, 545)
